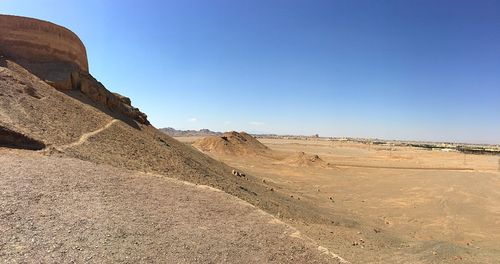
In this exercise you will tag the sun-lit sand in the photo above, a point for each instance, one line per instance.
(436, 205)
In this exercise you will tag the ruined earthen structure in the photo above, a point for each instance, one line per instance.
(57, 56)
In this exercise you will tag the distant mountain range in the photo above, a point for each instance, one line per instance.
(207, 132)
(185, 133)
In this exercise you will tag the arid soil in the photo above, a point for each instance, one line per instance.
(61, 210)
(367, 204)
(387, 205)
(59, 124)
(93, 183)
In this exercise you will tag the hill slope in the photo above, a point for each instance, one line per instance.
(56, 107)
(71, 125)
(67, 210)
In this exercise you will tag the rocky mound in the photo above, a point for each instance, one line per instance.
(231, 143)
(302, 159)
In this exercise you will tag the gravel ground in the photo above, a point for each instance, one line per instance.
(60, 210)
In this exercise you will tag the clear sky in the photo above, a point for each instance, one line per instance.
(424, 70)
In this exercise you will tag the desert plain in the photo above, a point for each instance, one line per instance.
(86, 178)
(379, 204)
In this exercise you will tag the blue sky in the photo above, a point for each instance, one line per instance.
(423, 70)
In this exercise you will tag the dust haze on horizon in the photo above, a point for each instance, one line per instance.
(392, 70)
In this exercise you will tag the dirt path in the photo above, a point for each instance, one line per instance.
(60, 210)
(83, 138)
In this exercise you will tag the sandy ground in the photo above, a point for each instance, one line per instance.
(369, 204)
(63, 210)
(71, 126)
(402, 205)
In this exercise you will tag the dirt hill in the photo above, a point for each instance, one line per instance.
(35, 115)
(301, 159)
(84, 119)
(232, 143)
(54, 106)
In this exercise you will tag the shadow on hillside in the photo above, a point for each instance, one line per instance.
(13, 139)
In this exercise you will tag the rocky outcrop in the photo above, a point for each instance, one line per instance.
(57, 56)
(93, 89)
(40, 41)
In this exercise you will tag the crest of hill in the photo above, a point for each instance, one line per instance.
(232, 143)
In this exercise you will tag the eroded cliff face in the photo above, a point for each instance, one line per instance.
(57, 56)
(40, 41)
